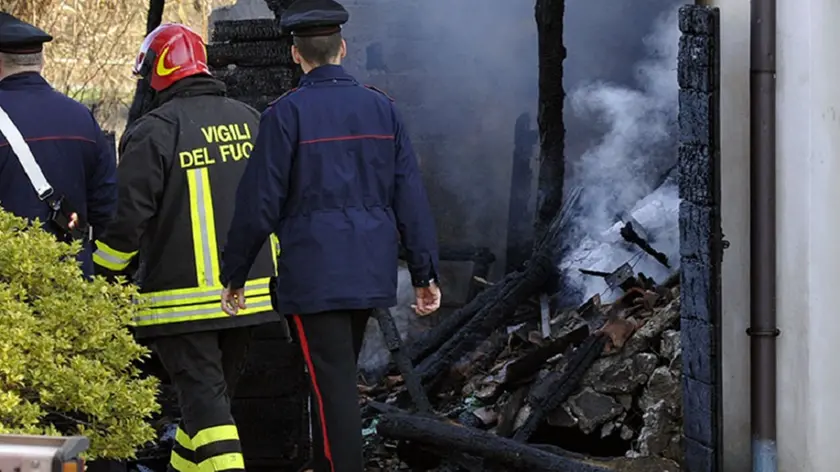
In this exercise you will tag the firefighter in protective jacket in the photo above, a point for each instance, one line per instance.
(178, 172)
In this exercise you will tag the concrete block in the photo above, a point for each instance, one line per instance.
(698, 458)
(696, 50)
(699, 232)
(696, 291)
(697, 174)
(698, 19)
(699, 350)
(698, 411)
(696, 117)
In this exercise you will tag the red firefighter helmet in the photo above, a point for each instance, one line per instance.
(169, 53)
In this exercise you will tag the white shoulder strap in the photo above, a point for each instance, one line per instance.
(24, 155)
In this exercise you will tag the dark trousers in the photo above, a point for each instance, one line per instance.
(204, 368)
(331, 342)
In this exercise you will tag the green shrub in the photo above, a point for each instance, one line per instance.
(68, 363)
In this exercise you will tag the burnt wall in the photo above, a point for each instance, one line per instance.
(552, 52)
(701, 246)
(461, 72)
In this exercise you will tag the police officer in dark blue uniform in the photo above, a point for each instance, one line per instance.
(334, 176)
(79, 190)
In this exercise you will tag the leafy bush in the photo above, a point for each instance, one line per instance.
(68, 363)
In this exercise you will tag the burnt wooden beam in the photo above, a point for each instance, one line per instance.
(502, 305)
(529, 364)
(552, 52)
(465, 329)
(520, 231)
(395, 345)
(515, 456)
(143, 93)
(431, 340)
(556, 387)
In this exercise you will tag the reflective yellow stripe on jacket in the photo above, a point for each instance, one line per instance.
(111, 259)
(275, 250)
(202, 302)
(203, 227)
(192, 304)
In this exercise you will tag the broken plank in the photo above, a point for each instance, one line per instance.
(513, 454)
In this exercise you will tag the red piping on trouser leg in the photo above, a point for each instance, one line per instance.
(304, 345)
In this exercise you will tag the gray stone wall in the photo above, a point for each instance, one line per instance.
(701, 238)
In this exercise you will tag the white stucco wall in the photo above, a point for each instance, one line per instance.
(735, 122)
(808, 205)
(809, 255)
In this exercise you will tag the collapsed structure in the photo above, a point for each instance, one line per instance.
(533, 387)
(535, 382)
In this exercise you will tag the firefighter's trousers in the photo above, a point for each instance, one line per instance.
(331, 342)
(204, 368)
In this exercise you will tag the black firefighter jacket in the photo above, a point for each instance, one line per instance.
(179, 168)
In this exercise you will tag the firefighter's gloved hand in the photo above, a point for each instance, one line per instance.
(427, 299)
(233, 300)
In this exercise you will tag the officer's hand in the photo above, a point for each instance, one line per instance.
(233, 300)
(427, 299)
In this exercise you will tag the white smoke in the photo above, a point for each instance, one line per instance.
(621, 171)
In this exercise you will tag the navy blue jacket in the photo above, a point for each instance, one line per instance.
(334, 176)
(69, 146)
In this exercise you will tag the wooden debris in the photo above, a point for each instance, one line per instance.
(500, 451)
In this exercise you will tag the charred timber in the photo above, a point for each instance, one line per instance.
(395, 345)
(481, 257)
(520, 237)
(463, 331)
(434, 338)
(552, 53)
(556, 387)
(143, 92)
(523, 369)
(497, 451)
(502, 304)
(631, 236)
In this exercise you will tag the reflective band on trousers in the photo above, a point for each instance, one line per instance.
(214, 434)
(190, 296)
(219, 448)
(109, 258)
(229, 461)
(205, 311)
(180, 464)
(203, 227)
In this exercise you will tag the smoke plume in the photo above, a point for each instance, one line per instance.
(632, 159)
(460, 72)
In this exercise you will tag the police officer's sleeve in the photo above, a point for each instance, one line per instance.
(140, 183)
(102, 183)
(261, 194)
(413, 212)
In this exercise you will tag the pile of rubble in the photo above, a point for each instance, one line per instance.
(508, 383)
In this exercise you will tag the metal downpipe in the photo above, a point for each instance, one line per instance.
(763, 330)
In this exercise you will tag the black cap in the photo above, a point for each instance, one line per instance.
(19, 37)
(313, 18)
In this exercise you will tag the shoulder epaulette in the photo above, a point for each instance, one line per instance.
(375, 89)
(281, 97)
